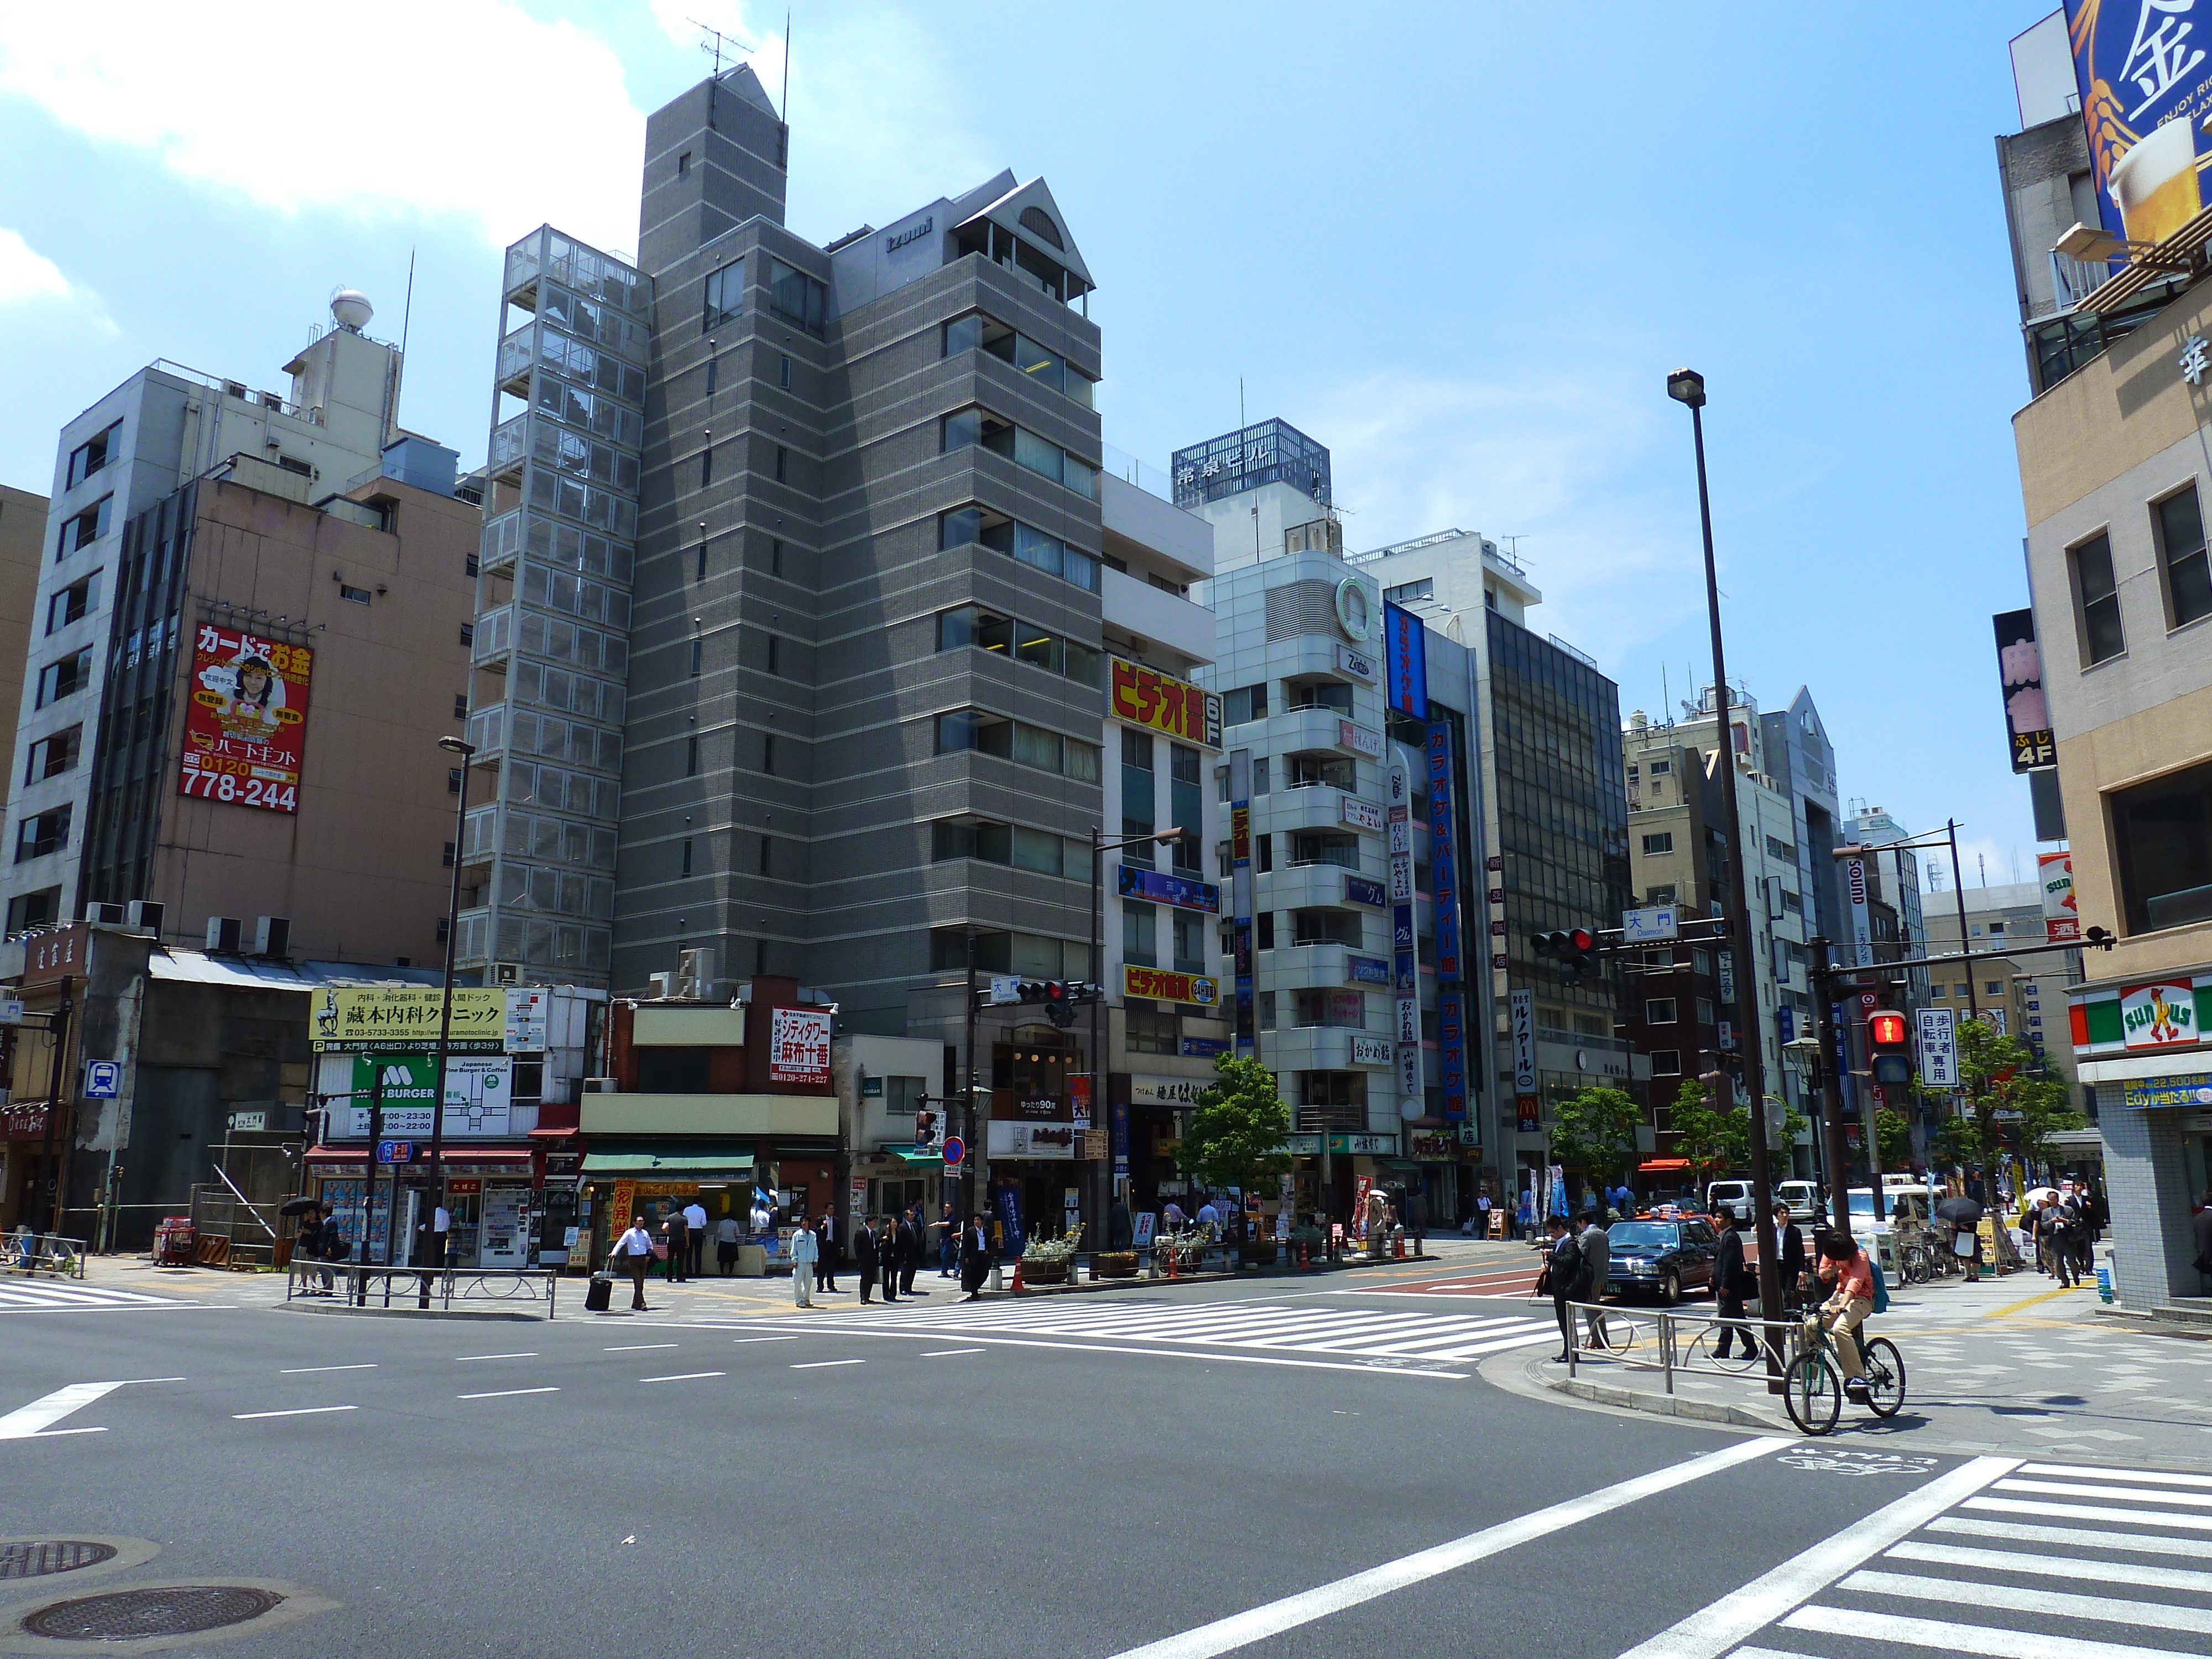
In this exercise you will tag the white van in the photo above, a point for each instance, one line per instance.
(1803, 1197)
(1733, 1196)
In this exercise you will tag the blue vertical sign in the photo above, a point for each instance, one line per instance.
(1405, 951)
(1240, 898)
(2144, 70)
(1404, 661)
(1444, 882)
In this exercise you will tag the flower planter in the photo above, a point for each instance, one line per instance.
(1258, 1255)
(1118, 1265)
(1044, 1273)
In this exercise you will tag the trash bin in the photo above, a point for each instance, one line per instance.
(173, 1241)
(2106, 1291)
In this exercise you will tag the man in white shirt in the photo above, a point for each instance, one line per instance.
(1208, 1216)
(694, 1215)
(633, 1251)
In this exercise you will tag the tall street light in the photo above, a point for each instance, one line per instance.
(467, 751)
(1099, 850)
(1686, 385)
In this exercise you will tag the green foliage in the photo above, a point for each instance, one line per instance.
(1596, 1131)
(1954, 1141)
(1996, 1071)
(1892, 1139)
(1716, 1140)
(1236, 1136)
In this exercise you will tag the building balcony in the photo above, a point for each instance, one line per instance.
(1327, 967)
(1162, 619)
(509, 448)
(1316, 806)
(1332, 1048)
(1177, 540)
(1306, 730)
(1318, 886)
(635, 1114)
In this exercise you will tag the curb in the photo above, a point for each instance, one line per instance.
(407, 1313)
(1234, 1276)
(1659, 1404)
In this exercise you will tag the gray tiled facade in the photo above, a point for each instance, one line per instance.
(783, 740)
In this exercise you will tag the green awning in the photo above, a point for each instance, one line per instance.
(1398, 1163)
(627, 1162)
(913, 1154)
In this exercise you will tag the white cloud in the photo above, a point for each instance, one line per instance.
(27, 276)
(1551, 461)
(26, 273)
(469, 109)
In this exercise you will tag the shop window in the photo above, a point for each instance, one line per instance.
(673, 1071)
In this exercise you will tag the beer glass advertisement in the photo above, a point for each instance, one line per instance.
(2144, 71)
(245, 720)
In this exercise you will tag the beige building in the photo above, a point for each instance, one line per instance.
(22, 530)
(2114, 463)
(362, 604)
(2026, 997)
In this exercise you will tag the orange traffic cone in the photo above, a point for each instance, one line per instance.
(1018, 1286)
(1171, 1265)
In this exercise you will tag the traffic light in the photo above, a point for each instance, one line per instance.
(1575, 948)
(1889, 1043)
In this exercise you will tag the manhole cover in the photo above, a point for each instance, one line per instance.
(45, 1555)
(133, 1615)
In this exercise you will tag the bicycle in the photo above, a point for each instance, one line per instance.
(1812, 1387)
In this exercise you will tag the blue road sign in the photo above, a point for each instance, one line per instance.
(955, 1150)
(395, 1151)
(103, 1079)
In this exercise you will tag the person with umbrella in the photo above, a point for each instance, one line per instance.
(1963, 1216)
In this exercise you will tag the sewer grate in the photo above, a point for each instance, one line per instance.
(40, 1557)
(133, 1615)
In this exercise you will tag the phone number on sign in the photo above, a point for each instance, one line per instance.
(240, 791)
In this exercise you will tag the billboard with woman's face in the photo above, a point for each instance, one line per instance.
(245, 720)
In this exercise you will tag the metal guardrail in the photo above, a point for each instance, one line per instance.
(442, 1286)
(50, 1253)
(1654, 1339)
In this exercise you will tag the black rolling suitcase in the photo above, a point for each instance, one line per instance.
(596, 1297)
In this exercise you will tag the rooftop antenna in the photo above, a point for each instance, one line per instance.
(713, 44)
(1240, 402)
(406, 316)
(787, 66)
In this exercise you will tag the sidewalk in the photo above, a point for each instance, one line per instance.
(2017, 1365)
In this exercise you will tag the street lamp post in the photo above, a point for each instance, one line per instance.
(1687, 386)
(467, 751)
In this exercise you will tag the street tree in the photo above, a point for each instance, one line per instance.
(1594, 1132)
(1715, 1139)
(1892, 1139)
(2007, 1097)
(1237, 1136)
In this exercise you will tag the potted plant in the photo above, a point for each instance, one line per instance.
(1114, 1264)
(1047, 1261)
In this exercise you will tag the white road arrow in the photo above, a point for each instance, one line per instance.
(34, 1420)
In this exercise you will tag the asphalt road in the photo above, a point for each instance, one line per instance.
(1082, 1477)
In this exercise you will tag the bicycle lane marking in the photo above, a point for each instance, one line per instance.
(1273, 1617)
(1713, 1630)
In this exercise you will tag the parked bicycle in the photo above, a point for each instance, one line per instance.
(1813, 1387)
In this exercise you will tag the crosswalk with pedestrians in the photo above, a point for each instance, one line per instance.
(66, 1296)
(2047, 1561)
(1379, 1336)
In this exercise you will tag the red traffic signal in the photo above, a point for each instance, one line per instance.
(1886, 1029)
(1888, 1057)
(1581, 938)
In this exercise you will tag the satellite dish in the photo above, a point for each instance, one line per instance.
(350, 309)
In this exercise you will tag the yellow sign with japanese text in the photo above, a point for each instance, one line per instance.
(354, 1018)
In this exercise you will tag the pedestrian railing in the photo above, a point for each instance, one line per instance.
(42, 1254)
(1673, 1343)
(353, 1285)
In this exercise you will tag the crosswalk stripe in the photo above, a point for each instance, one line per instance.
(2055, 1566)
(2021, 1532)
(2082, 1489)
(34, 1293)
(1950, 1637)
(2138, 1477)
(2063, 1604)
(2091, 1512)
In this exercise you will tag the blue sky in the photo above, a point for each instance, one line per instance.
(1459, 244)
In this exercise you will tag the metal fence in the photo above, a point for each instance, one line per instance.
(357, 1286)
(49, 1254)
(1670, 1342)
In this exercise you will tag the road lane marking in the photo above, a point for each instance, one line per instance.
(1889, 1633)
(2020, 1532)
(1243, 1629)
(735, 1340)
(2126, 1494)
(820, 1364)
(1207, 1355)
(2138, 1477)
(298, 1411)
(305, 1370)
(465, 1359)
(2092, 1512)
(2034, 1300)
(36, 1419)
(947, 1353)
(502, 1393)
(682, 1377)
(2108, 1609)
(1713, 1630)
(640, 1347)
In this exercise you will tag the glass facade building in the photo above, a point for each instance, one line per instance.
(551, 650)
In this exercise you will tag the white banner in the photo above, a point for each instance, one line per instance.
(1524, 1002)
(1939, 1048)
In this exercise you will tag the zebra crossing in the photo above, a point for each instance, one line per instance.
(72, 1295)
(1374, 1337)
(2046, 1561)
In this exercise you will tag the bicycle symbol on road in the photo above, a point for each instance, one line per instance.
(1859, 1463)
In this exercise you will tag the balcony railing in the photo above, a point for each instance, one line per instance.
(2073, 281)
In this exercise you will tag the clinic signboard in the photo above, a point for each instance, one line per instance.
(383, 1018)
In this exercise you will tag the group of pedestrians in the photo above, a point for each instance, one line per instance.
(2062, 1226)
(1576, 1270)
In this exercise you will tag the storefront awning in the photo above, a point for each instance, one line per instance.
(695, 1164)
(452, 1153)
(912, 1155)
(1659, 1165)
(1398, 1163)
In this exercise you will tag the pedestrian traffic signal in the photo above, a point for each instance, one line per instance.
(1575, 948)
(1888, 1046)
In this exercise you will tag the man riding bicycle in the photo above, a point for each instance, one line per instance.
(1844, 1264)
